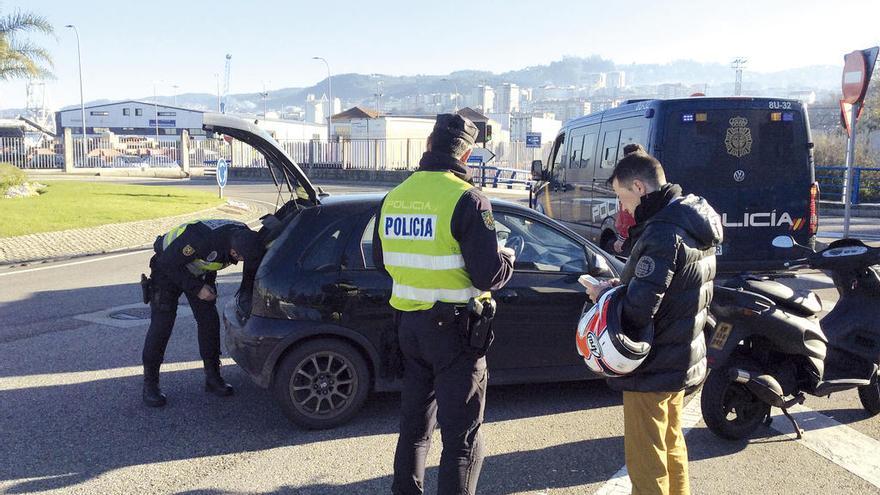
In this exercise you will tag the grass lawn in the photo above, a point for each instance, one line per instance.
(72, 204)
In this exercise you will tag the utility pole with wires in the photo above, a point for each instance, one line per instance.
(738, 65)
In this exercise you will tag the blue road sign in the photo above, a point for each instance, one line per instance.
(533, 140)
(222, 172)
(475, 159)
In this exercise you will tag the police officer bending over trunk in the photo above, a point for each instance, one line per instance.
(186, 261)
(435, 237)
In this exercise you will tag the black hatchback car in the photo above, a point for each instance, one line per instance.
(320, 333)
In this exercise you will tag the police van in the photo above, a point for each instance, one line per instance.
(751, 158)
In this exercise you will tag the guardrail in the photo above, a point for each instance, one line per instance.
(865, 184)
(493, 176)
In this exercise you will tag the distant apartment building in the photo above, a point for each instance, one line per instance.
(563, 109)
(507, 98)
(596, 80)
(677, 90)
(616, 80)
(551, 92)
(602, 104)
(485, 99)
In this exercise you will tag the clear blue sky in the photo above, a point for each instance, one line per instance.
(127, 46)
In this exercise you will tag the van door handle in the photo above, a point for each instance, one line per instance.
(508, 296)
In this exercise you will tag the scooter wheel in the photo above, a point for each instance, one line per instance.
(729, 409)
(870, 397)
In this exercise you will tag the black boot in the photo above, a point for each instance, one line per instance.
(214, 383)
(153, 396)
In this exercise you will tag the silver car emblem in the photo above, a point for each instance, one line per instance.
(739, 176)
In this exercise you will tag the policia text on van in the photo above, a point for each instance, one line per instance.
(751, 158)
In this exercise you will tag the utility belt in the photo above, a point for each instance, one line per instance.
(472, 320)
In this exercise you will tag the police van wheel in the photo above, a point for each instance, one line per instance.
(607, 242)
(869, 395)
(729, 409)
(322, 383)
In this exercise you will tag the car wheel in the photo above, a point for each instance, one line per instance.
(729, 409)
(869, 395)
(322, 383)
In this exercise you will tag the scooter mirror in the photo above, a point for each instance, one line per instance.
(783, 241)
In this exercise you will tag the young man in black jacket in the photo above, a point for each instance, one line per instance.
(668, 279)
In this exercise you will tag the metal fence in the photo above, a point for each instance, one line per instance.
(144, 152)
(29, 154)
(865, 184)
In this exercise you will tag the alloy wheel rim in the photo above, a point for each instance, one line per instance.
(323, 384)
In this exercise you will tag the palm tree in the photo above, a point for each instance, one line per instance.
(20, 58)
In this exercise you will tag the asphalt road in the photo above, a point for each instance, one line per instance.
(71, 420)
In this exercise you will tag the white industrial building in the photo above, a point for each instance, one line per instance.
(132, 118)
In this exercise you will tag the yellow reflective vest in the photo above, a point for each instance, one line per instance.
(418, 249)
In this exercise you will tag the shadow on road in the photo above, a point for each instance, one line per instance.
(56, 436)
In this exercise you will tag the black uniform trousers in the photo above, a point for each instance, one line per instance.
(445, 383)
(163, 312)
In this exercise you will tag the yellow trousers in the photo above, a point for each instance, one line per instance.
(656, 455)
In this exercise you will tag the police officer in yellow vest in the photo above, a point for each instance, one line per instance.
(435, 237)
(186, 262)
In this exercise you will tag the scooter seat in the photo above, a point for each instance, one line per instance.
(801, 302)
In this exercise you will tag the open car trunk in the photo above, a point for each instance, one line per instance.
(285, 173)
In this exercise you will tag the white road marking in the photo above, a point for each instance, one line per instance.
(619, 483)
(90, 260)
(79, 377)
(840, 444)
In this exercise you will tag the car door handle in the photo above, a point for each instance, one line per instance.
(508, 296)
(376, 296)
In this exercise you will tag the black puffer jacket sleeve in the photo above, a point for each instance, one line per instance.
(648, 274)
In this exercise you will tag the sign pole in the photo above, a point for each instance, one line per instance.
(848, 178)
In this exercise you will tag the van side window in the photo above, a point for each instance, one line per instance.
(575, 147)
(558, 159)
(589, 150)
(629, 136)
(609, 149)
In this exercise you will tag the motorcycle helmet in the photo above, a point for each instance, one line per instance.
(601, 341)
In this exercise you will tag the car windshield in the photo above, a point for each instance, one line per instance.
(537, 246)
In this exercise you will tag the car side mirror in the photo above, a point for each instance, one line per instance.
(537, 170)
(783, 241)
(599, 267)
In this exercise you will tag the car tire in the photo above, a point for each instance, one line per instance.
(869, 395)
(322, 383)
(721, 398)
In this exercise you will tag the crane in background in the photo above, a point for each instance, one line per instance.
(226, 83)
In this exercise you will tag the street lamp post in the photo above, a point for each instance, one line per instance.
(82, 104)
(330, 97)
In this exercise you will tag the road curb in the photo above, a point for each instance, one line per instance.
(112, 238)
